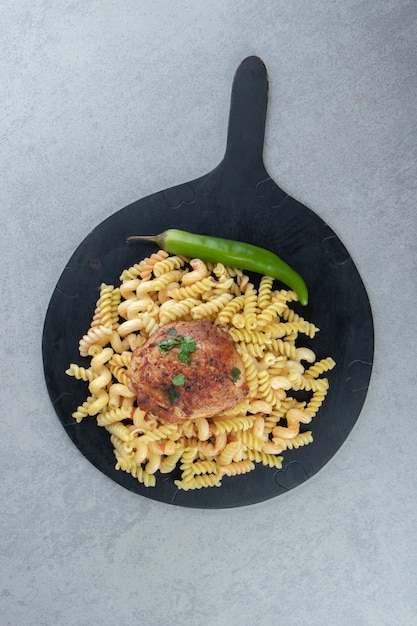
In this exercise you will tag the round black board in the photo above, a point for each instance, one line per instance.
(237, 200)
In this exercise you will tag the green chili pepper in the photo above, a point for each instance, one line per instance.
(232, 253)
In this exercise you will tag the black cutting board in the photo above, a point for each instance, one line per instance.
(237, 200)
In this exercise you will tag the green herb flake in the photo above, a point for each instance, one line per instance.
(172, 331)
(178, 380)
(187, 346)
(167, 344)
(172, 394)
(235, 374)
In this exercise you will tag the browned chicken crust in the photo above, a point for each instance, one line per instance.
(172, 390)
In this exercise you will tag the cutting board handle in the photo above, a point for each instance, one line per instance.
(246, 130)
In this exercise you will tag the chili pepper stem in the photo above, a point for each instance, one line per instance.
(151, 238)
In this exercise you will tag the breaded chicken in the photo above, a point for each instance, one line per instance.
(187, 370)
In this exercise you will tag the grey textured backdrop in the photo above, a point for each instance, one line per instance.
(103, 103)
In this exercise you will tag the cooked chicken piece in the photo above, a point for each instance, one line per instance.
(187, 370)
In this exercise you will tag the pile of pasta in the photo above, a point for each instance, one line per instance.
(265, 330)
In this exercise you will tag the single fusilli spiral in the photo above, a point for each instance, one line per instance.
(254, 349)
(119, 447)
(168, 265)
(123, 359)
(251, 441)
(188, 456)
(228, 452)
(101, 379)
(97, 335)
(284, 296)
(204, 467)
(119, 374)
(315, 402)
(82, 411)
(289, 315)
(132, 272)
(237, 467)
(255, 336)
(149, 323)
(198, 482)
(119, 430)
(117, 392)
(244, 283)
(128, 288)
(249, 309)
(209, 309)
(265, 391)
(282, 347)
(137, 471)
(199, 271)
(301, 382)
(266, 459)
(269, 314)
(107, 305)
(288, 328)
(233, 424)
(229, 310)
(163, 431)
(251, 373)
(172, 310)
(169, 463)
(320, 367)
(163, 280)
(302, 439)
(264, 291)
(113, 415)
(147, 269)
(80, 373)
(193, 291)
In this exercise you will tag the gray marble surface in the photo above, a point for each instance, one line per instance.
(103, 103)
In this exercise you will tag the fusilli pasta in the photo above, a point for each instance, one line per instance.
(265, 330)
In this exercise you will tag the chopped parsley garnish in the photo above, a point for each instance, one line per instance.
(172, 331)
(235, 374)
(178, 380)
(167, 344)
(186, 344)
(172, 394)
